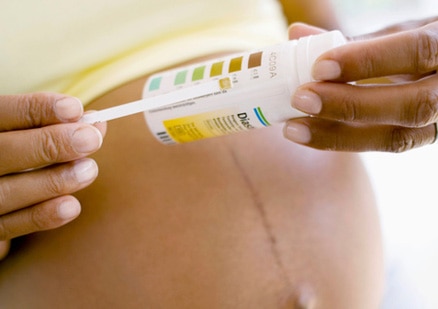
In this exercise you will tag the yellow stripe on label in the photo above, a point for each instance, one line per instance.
(200, 126)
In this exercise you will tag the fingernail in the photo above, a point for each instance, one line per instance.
(69, 210)
(326, 70)
(87, 139)
(307, 101)
(68, 108)
(85, 170)
(298, 133)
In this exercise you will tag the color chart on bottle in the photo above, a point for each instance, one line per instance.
(197, 73)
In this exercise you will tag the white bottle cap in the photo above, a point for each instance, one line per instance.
(311, 47)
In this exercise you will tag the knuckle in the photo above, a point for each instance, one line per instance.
(369, 65)
(329, 137)
(427, 50)
(349, 108)
(50, 146)
(401, 140)
(424, 108)
(31, 108)
(38, 219)
(54, 184)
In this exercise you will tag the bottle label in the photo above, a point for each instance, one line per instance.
(257, 88)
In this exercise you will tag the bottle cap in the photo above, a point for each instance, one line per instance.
(309, 48)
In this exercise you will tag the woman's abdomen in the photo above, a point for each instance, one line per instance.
(244, 221)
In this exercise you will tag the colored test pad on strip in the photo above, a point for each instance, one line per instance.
(158, 101)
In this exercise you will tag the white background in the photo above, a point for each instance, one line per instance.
(406, 184)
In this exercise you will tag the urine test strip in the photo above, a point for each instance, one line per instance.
(158, 101)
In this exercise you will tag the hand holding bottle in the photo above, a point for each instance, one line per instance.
(378, 93)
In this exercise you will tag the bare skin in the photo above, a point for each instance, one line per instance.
(245, 221)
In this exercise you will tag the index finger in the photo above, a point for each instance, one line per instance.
(407, 52)
(26, 111)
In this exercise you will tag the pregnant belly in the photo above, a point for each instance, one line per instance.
(244, 221)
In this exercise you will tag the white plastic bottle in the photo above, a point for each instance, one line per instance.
(263, 83)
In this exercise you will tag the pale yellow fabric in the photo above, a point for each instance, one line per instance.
(85, 48)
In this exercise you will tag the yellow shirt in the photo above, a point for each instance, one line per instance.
(85, 48)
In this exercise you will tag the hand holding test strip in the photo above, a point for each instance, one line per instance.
(158, 101)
